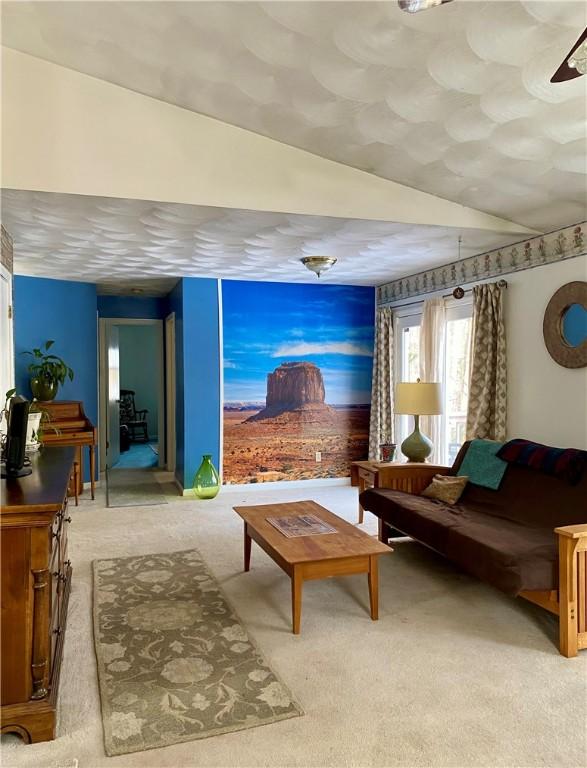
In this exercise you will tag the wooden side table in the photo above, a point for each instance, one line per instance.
(411, 477)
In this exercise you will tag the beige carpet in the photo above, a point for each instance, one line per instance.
(135, 488)
(453, 674)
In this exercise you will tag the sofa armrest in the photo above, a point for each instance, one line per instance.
(411, 477)
(572, 588)
(572, 531)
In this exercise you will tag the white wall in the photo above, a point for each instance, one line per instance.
(546, 402)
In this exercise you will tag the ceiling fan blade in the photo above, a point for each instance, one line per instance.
(567, 72)
(413, 6)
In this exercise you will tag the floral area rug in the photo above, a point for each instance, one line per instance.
(174, 661)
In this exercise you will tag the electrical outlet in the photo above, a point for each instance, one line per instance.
(318, 456)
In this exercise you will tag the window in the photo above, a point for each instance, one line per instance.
(407, 367)
(456, 373)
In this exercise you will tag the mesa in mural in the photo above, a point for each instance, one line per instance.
(289, 396)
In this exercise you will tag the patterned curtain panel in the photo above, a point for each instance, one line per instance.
(487, 409)
(381, 425)
(432, 341)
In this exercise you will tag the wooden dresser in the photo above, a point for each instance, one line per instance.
(36, 578)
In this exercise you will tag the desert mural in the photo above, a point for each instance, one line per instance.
(297, 379)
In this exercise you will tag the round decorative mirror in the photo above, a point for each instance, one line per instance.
(574, 325)
(565, 325)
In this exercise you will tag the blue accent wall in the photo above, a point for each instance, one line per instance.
(201, 374)
(197, 358)
(65, 311)
(176, 306)
(135, 307)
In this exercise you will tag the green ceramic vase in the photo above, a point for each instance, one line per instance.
(206, 480)
(417, 447)
(44, 389)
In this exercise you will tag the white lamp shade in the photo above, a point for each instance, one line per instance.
(418, 398)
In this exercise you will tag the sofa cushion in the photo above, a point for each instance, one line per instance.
(423, 519)
(506, 554)
(528, 497)
(509, 556)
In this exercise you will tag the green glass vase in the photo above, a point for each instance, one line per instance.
(207, 479)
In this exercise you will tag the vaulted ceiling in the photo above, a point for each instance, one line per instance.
(454, 101)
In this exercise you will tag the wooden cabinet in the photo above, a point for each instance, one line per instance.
(69, 425)
(36, 579)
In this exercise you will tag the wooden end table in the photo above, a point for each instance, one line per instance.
(411, 476)
(343, 553)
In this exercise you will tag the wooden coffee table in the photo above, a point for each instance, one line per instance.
(343, 553)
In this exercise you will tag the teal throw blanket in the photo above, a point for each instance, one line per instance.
(482, 466)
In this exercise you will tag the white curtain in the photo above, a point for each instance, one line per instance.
(432, 341)
(381, 424)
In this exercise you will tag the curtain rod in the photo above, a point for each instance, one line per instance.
(457, 293)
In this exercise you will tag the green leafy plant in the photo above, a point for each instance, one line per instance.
(34, 407)
(49, 367)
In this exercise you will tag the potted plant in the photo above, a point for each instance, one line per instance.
(387, 451)
(47, 372)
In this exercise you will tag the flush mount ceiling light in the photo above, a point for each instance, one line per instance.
(318, 264)
(413, 6)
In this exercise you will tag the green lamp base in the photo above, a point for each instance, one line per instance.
(417, 447)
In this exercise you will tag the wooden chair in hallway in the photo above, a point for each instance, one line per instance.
(135, 420)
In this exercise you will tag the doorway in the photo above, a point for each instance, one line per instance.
(135, 434)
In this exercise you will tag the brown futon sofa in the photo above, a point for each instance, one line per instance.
(528, 539)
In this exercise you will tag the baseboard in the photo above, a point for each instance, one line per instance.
(88, 486)
(282, 485)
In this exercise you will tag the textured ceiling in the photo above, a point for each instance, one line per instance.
(454, 101)
(119, 244)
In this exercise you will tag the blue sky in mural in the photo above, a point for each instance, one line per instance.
(266, 324)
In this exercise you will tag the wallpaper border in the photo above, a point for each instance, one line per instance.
(561, 244)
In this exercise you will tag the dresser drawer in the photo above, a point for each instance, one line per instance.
(64, 537)
(57, 524)
(54, 636)
(55, 575)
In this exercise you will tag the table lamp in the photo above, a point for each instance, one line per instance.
(417, 399)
